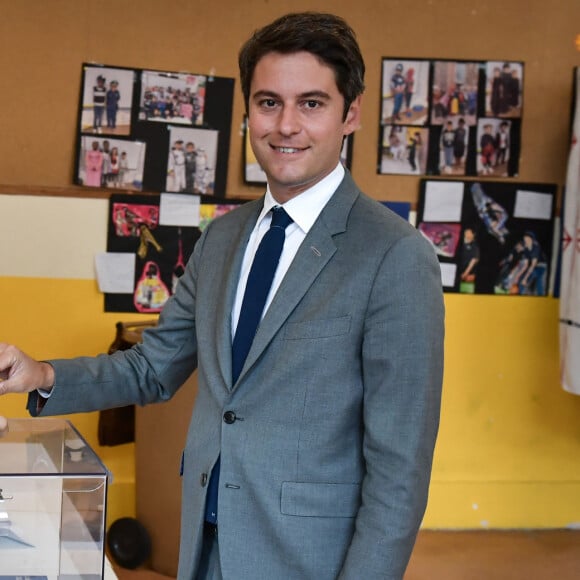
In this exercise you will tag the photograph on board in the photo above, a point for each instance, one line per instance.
(191, 160)
(503, 89)
(494, 148)
(172, 97)
(107, 100)
(405, 90)
(453, 146)
(454, 91)
(111, 163)
(403, 150)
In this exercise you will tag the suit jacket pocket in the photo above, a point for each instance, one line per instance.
(325, 500)
(323, 328)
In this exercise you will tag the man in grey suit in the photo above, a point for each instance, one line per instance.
(321, 447)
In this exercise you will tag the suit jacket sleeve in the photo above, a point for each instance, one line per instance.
(402, 358)
(149, 372)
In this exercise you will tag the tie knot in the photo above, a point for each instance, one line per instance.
(280, 219)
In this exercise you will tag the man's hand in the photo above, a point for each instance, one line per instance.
(20, 373)
(3, 425)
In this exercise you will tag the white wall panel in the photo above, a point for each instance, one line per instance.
(51, 237)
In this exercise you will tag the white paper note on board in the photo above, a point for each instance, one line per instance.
(443, 201)
(448, 272)
(115, 272)
(178, 209)
(533, 205)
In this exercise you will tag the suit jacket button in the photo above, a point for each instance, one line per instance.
(203, 479)
(229, 417)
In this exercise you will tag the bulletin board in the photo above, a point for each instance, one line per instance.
(450, 117)
(149, 130)
(490, 237)
(150, 238)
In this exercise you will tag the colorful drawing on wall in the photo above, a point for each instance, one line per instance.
(490, 237)
(137, 226)
(210, 211)
(155, 109)
(450, 117)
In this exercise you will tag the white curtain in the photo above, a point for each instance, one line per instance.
(570, 272)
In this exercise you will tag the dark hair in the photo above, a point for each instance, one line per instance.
(326, 36)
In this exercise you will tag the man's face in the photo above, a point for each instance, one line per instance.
(295, 117)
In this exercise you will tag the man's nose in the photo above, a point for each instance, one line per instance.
(289, 121)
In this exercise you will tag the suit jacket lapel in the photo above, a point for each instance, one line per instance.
(231, 260)
(313, 255)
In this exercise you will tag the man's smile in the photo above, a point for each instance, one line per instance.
(288, 149)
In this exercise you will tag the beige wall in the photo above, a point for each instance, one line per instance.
(44, 44)
(508, 450)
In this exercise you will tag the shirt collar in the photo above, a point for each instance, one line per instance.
(305, 208)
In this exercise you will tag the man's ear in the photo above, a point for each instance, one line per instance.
(352, 121)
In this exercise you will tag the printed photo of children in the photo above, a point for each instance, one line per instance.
(469, 257)
(453, 147)
(172, 97)
(404, 150)
(503, 89)
(107, 99)
(111, 163)
(454, 91)
(493, 147)
(405, 89)
(191, 160)
(524, 269)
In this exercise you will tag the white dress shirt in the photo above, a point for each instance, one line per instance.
(304, 210)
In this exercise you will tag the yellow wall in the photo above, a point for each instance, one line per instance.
(508, 450)
(58, 318)
(509, 439)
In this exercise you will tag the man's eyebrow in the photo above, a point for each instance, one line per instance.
(307, 95)
(315, 95)
(265, 94)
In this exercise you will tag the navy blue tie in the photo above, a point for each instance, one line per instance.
(257, 289)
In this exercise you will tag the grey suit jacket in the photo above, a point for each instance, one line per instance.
(325, 469)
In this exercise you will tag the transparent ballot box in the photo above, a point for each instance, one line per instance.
(52, 503)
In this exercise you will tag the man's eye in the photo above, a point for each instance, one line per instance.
(268, 103)
(312, 104)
